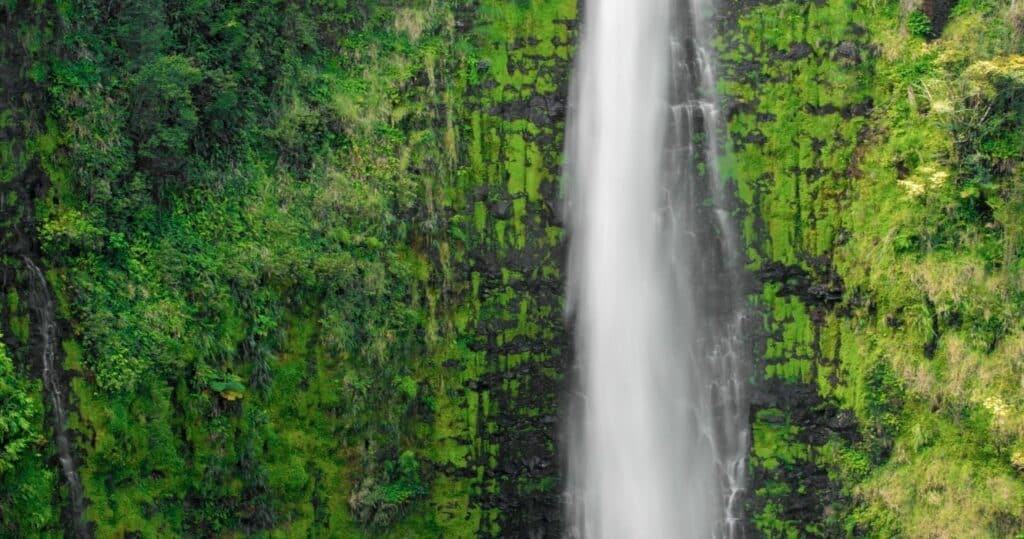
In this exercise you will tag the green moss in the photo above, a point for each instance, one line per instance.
(887, 205)
(18, 319)
(303, 329)
(775, 440)
(72, 354)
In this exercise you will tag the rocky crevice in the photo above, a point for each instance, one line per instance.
(20, 270)
(41, 304)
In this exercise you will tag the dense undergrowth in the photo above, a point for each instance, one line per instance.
(880, 159)
(257, 219)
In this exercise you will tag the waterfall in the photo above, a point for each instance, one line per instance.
(659, 434)
(41, 302)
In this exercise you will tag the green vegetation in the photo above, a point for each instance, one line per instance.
(26, 482)
(919, 25)
(886, 168)
(293, 304)
(308, 263)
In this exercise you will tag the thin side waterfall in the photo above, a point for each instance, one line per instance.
(41, 301)
(659, 434)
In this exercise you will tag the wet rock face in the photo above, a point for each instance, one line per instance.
(23, 186)
(820, 287)
(24, 100)
(514, 252)
(55, 387)
(847, 51)
(791, 185)
(797, 51)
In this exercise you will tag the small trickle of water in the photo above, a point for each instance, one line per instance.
(41, 301)
(659, 441)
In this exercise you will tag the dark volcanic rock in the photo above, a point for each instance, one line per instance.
(847, 52)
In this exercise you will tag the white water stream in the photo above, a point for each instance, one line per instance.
(660, 435)
(41, 300)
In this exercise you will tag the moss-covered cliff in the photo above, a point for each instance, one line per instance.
(307, 258)
(877, 147)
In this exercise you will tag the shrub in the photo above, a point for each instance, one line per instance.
(919, 25)
(163, 115)
(379, 502)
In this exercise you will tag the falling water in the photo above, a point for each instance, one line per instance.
(42, 303)
(659, 443)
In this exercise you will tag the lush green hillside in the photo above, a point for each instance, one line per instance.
(878, 147)
(307, 260)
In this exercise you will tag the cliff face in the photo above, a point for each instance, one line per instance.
(308, 261)
(28, 474)
(877, 153)
(503, 268)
